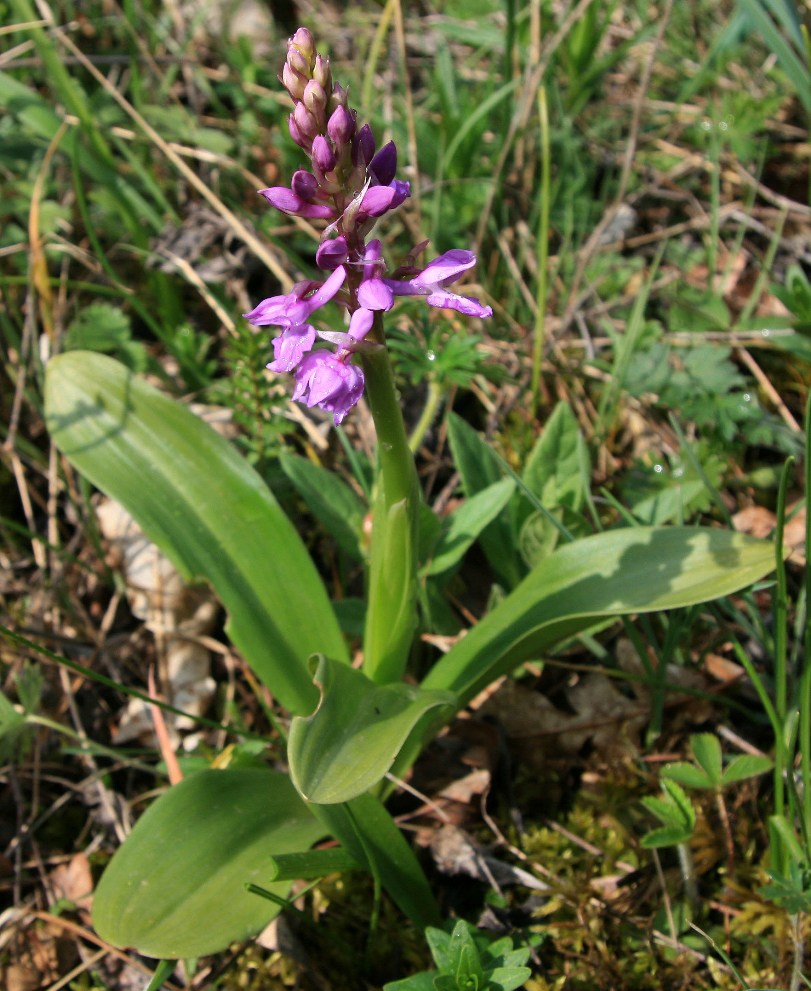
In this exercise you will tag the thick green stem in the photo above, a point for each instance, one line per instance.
(391, 615)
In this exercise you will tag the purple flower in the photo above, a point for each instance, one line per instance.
(290, 347)
(431, 282)
(330, 382)
(288, 201)
(297, 306)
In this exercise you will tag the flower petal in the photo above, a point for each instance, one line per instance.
(445, 269)
(468, 305)
(290, 347)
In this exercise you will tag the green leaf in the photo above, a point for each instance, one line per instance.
(329, 499)
(351, 740)
(311, 864)
(553, 471)
(176, 888)
(676, 811)
(466, 523)
(480, 468)
(12, 728)
(423, 981)
(371, 836)
(665, 836)
(507, 978)
(586, 582)
(688, 775)
(707, 752)
(745, 766)
(206, 509)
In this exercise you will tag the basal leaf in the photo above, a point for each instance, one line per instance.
(206, 509)
(585, 582)
(176, 888)
(351, 740)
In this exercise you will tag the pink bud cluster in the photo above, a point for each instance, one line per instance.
(351, 185)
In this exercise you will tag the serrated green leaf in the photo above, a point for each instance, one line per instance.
(745, 766)
(206, 509)
(707, 752)
(176, 888)
(688, 775)
(666, 836)
(351, 740)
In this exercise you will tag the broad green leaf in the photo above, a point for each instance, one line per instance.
(587, 582)
(176, 888)
(479, 467)
(329, 499)
(706, 749)
(745, 766)
(688, 775)
(351, 740)
(206, 509)
(466, 523)
(676, 811)
(371, 836)
(669, 503)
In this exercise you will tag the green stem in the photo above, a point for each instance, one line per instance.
(543, 249)
(391, 614)
(429, 411)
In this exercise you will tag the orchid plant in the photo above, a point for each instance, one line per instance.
(189, 879)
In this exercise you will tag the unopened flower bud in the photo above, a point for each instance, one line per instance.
(304, 184)
(307, 124)
(322, 154)
(295, 133)
(293, 82)
(298, 63)
(322, 73)
(303, 42)
(363, 147)
(383, 166)
(315, 99)
(338, 98)
(341, 127)
(331, 254)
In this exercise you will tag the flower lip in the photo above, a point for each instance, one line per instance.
(330, 383)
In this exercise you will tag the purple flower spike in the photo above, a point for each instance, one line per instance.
(324, 380)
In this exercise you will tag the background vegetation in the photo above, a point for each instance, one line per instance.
(634, 179)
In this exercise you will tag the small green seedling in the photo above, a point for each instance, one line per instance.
(676, 813)
(466, 962)
(709, 774)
